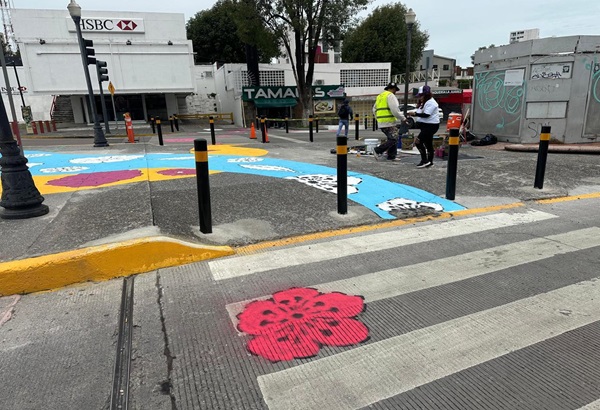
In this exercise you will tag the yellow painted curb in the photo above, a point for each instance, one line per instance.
(101, 262)
(568, 198)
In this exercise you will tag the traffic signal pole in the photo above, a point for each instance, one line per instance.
(102, 72)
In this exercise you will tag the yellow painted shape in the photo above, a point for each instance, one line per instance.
(569, 198)
(101, 262)
(235, 150)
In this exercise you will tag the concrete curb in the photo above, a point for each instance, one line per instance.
(100, 263)
(554, 148)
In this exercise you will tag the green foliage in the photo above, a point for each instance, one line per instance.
(464, 84)
(300, 25)
(382, 37)
(218, 34)
(443, 83)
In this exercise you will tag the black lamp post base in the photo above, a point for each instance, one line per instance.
(20, 197)
(101, 144)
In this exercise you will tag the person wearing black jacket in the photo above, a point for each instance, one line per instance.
(345, 114)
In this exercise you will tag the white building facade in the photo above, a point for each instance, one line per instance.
(149, 61)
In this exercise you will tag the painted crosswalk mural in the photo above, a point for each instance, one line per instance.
(497, 327)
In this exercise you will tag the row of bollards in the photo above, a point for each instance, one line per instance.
(203, 187)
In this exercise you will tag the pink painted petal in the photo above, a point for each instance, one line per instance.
(295, 296)
(283, 345)
(336, 305)
(337, 332)
(260, 317)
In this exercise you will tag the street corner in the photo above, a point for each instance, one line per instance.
(103, 262)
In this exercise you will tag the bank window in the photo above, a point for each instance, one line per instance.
(364, 77)
(446, 67)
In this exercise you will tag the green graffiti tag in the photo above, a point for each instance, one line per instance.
(493, 95)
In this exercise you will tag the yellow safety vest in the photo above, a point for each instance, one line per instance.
(382, 109)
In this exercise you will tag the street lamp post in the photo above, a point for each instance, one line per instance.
(409, 18)
(75, 12)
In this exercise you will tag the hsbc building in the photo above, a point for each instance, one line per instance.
(149, 59)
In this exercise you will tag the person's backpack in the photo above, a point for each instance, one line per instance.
(343, 112)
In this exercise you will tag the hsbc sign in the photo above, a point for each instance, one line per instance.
(110, 25)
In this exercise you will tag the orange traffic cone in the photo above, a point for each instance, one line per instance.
(266, 134)
(252, 132)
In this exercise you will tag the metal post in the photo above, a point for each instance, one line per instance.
(176, 120)
(112, 99)
(407, 75)
(10, 100)
(18, 83)
(310, 127)
(153, 124)
(356, 126)
(287, 125)
(317, 124)
(99, 139)
(159, 130)
(172, 124)
(263, 130)
(211, 120)
(366, 122)
(20, 197)
(203, 185)
(374, 123)
(342, 175)
(104, 112)
(453, 141)
(542, 157)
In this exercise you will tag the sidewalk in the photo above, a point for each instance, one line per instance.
(132, 208)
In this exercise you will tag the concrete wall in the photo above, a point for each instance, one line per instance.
(558, 87)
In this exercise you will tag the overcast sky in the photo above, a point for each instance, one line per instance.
(456, 28)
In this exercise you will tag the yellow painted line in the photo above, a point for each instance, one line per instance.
(100, 263)
(568, 198)
(366, 228)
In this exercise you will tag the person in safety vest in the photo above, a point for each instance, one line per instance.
(387, 112)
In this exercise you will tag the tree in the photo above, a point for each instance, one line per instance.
(382, 37)
(217, 33)
(300, 25)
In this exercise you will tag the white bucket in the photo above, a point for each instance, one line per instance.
(371, 144)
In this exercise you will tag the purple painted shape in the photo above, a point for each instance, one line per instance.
(177, 172)
(95, 179)
(179, 139)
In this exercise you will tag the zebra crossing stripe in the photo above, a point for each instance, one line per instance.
(376, 371)
(592, 406)
(406, 279)
(250, 264)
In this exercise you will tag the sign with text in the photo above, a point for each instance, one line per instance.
(108, 25)
(514, 78)
(319, 92)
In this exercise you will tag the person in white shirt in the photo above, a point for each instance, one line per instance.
(387, 112)
(428, 119)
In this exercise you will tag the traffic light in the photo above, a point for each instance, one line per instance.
(89, 51)
(102, 71)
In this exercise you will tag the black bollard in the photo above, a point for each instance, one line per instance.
(153, 125)
(213, 139)
(176, 120)
(172, 124)
(310, 128)
(366, 122)
(287, 125)
(263, 129)
(159, 130)
(257, 123)
(317, 125)
(374, 123)
(453, 141)
(356, 126)
(342, 175)
(540, 170)
(202, 184)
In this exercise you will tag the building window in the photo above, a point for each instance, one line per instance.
(267, 78)
(337, 58)
(435, 66)
(208, 74)
(364, 78)
(445, 67)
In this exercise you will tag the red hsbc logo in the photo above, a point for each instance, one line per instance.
(127, 25)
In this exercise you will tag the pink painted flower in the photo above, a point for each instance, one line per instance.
(295, 323)
(95, 179)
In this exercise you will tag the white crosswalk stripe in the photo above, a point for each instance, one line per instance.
(392, 366)
(385, 369)
(406, 279)
(238, 266)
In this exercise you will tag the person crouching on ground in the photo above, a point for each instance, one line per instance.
(387, 112)
(428, 118)
(345, 114)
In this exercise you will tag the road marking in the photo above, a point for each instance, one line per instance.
(287, 138)
(592, 406)
(406, 279)
(249, 264)
(370, 373)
